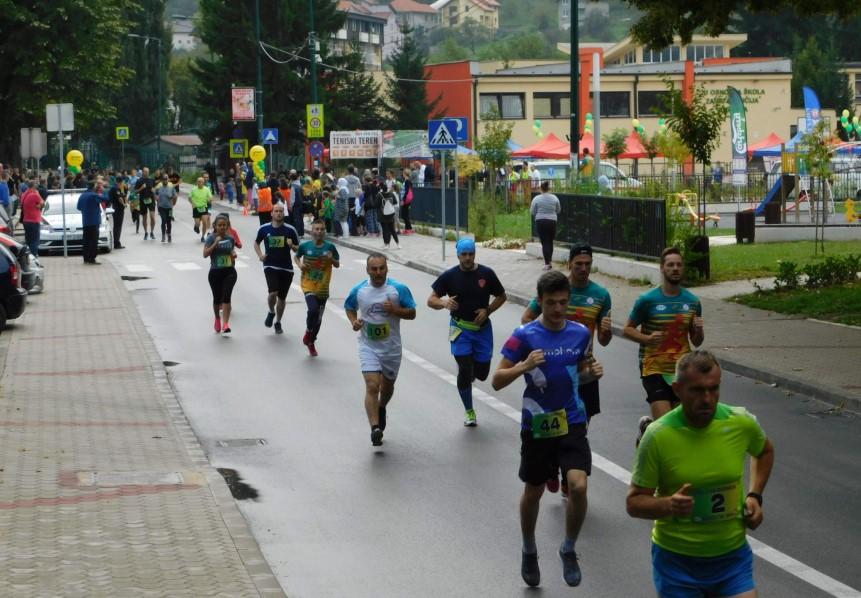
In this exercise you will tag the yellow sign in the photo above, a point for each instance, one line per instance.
(238, 148)
(315, 121)
(123, 134)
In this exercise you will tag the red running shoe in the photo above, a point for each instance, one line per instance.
(306, 340)
(312, 349)
(552, 485)
(217, 325)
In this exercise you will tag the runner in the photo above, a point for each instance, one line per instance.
(468, 288)
(166, 194)
(551, 353)
(669, 318)
(375, 308)
(144, 190)
(280, 239)
(315, 259)
(689, 477)
(219, 247)
(200, 198)
(589, 304)
(135, 202)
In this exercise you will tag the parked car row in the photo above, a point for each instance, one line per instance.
(560, 170)
(53, 219)
(21, 273)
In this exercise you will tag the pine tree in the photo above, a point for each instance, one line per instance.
(407, 88)
(355, 99)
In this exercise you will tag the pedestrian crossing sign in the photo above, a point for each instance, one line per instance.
(270, 136)
(441, 133)
(123, 134)
(238, 148)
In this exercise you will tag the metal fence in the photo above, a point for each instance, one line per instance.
(630, 225)
(427, 206)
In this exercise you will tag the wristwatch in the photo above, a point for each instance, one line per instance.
(755, 495)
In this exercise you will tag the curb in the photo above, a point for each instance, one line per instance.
(246, 545)
(830, 396)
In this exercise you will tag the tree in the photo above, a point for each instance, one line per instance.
(64, 51)
(492, 148)
(450, 51)
(614, 144)
(652, 146)
(407, 87)
(595, 27)
(228, 30)
(817, 68)
(356, 101)
(181, 87)
(662, 20)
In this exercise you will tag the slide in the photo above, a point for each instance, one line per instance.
(683, 200)
(773, 195)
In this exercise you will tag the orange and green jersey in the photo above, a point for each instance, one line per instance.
(656, 312)
(318, 258)
(588, 306)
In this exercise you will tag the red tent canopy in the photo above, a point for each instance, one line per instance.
(769, 141)
(551, 147)
(588, 140)
(634, 147)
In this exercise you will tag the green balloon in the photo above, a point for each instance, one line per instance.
(850, 128)
(588, 116)
(537, 123)
(660, 121)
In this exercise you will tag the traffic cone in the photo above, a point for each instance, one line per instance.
(245, 208)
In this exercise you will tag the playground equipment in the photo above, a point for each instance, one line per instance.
(683, 200)
(851, 214)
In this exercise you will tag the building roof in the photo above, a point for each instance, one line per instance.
(484, 4)
(774, 65)
(182, 140)
(411, 6)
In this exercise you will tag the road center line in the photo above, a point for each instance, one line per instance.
(816, 578)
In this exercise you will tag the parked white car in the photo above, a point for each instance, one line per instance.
(51, 235)
(559, 170)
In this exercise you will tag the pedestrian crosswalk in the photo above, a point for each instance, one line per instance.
(240, 263)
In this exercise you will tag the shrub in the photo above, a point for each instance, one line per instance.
(787, 276)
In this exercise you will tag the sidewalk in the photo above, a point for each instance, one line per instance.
(104, 489)
(818, 359)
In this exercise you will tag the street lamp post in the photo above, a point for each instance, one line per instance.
(259, 74)
(147, 39)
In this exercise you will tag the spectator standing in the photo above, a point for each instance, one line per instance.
(388, 210)
(118, 200)
(90, 207)
(587, 164)
(342, 207)
(4, 189)
(371, 206)
(297, 207)
(354, 186)
(407, 200)
(545, 208)
(31, 215)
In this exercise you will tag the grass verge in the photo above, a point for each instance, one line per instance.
(738, 262)
(835, 304)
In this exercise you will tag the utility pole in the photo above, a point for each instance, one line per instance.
(259, 74)
(312, 38)
(574, 132)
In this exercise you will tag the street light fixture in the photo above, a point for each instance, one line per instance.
(147, 39)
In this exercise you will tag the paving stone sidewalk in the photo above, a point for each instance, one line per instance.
(819, 359)
(104, 490)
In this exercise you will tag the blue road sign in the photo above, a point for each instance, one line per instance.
(441, 133)
(316, 149)
(462, 127)
(270, 136)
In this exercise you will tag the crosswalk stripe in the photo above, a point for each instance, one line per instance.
(185, 265)
(138, 268)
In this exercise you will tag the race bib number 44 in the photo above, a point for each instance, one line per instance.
(717, 503)
(550, 425)
(377, 332)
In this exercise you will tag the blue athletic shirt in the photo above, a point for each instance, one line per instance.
(277, 247)
(552, 385)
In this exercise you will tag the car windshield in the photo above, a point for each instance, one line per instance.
(55, 205)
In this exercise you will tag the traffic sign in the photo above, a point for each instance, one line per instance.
(270, 136)
(123, 134)
(238, 148)
(441, 133)
(59, 117)
(316, 149)
(462, 133)
(315, 120)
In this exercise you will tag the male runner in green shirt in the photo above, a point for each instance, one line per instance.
(689, 477)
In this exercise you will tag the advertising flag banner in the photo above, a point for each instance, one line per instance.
(406, 144)
(812, 110)
(738, 127)
(345, 145)
(242, 103)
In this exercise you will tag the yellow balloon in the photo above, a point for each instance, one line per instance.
(635, 123)
(257, 153)
(74, 158)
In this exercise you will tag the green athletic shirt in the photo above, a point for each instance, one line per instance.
(200, 197)
(711, 459)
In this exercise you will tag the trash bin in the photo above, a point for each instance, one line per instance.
(698, 257)
(745, 226)
(772, 213)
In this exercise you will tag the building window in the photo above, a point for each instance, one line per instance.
(631, 57)
(858, 89)
(652, 103)
(551, 105)
(615, 103)
(509, 105)
(697, 53)
(669, 54)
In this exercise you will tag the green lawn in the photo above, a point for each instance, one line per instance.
(516, 225)
(836, 304)
(719, 232)
(735, 262)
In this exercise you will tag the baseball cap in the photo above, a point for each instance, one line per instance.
(579, 249)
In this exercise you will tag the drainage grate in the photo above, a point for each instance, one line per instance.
(240, 442)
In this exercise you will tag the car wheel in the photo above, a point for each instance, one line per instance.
(2, 317)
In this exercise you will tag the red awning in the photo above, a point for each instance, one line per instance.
(588, 140)
(551, 147)
(634, 147)
(769, 141)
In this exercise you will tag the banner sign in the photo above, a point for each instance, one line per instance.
(242, 103)
(406, 144)
(812, 110)
(314, 118)
(344, 145)
(738, 128)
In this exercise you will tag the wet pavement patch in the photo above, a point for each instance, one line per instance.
(169, 364)
(239, 489)
(133, 278)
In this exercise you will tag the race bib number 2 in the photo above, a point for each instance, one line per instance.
(377, 332)
(717, 503)
(550, 425)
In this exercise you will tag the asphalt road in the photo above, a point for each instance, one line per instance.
(434, 512)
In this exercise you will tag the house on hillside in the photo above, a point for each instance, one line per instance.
(183, 36)
(400, 13)
(453, 13)
(584, 10)
(362, 27)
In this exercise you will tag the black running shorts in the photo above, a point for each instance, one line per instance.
(278, 281)
(541, 459)
(657, 389)
(590, 397)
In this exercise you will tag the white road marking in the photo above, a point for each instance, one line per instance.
(138, 268)
(817, 579)
(185, 265)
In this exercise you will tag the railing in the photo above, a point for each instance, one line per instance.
(630, 225)
(427, 206)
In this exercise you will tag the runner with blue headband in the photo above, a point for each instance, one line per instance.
(465, 291)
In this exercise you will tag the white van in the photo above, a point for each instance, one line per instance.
(559, 170)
